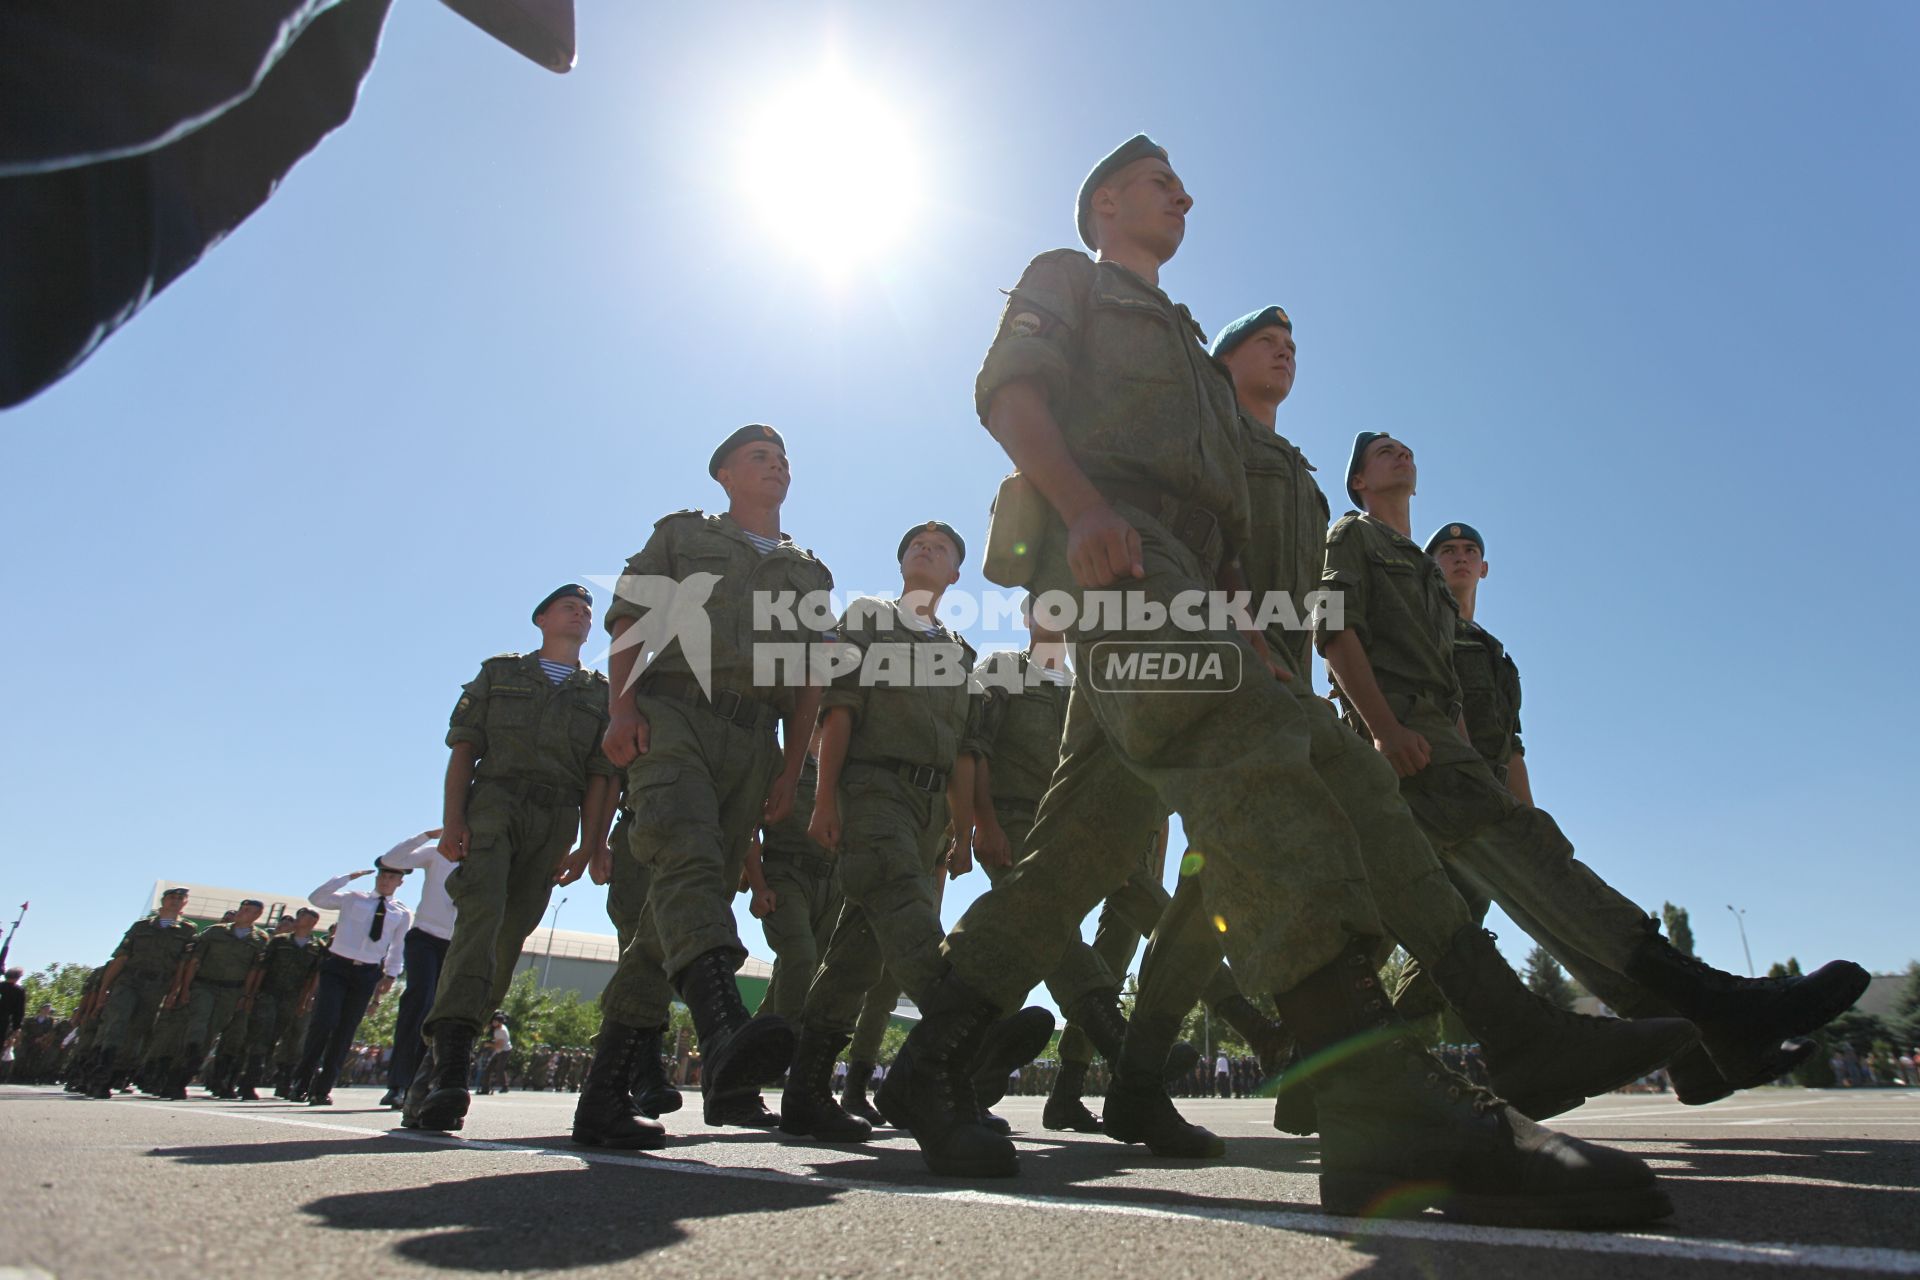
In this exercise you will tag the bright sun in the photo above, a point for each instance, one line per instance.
(831, 170)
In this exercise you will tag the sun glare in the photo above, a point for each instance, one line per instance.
(830, 168)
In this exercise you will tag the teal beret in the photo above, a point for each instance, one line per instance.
(1359, 454)
(1138, 147)
(745, 435)
(937, 526)
(1453, 532)
(571, 589)
(1248, 325)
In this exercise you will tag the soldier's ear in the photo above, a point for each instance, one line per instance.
(1483, 567)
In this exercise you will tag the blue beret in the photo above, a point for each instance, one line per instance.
(1248, 325)
(571, 589)
(1454, 531)
(1138, 147)
(937, 526)
(1359, 454)
(745, 435)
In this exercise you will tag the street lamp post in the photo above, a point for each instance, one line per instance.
(1740, 918)
(553, 924)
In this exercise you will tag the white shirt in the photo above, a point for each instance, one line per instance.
(351, 941)
(435, 912)
(1220, 1065)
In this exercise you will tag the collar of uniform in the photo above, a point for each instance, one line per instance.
(1264, 437)
(1391, 532)
(530, 664)
(725, 523)
(935, 629)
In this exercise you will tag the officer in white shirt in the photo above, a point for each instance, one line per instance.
(426, 947)
(369, 942)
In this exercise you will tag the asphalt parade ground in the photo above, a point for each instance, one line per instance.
(1769, 1183)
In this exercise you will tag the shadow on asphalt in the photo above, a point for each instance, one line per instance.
(520, 1221)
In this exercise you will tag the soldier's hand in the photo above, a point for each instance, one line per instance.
(628, 736)
(824, 828)
(779, 806)
(454, 838)
(572, 866)
(1102, 548)
(1404, 749)
(959, 858)
(600, 865)
(762, 904)
(990, 847)
(1264, 652)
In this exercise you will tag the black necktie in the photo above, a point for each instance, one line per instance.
(379, 920)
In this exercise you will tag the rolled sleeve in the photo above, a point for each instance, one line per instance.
(468, 723)
(1037, 332)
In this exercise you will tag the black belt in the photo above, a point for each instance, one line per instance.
(729, 704)
(215, 982)
(923, 776)
(358, 964)
(542, 793)
(1194, 525)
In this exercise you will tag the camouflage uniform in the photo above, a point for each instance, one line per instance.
(1397, 602)
(1151, 418)
(287, 966)
(699, 791)
(906, 736)
(152, 952)
(805, 880)
(223, 962)
(537, 745)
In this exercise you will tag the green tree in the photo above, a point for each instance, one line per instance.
(58, 985)
(1547, 980)
(1679, 928)
(377, 1026)
(1906, 1008)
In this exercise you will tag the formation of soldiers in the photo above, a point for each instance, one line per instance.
(175, 1001)
(842, 790)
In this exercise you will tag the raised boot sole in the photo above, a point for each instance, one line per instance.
(659, 1102)
(758, 1054)
(1752, 1065)
(1373, 1195)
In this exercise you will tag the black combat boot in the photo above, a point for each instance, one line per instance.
(283, 1082)
(1064, 1109)
(738, 1053)
(100, 1079)
(1293, 1101)
(653, 1096)
(807, 1108)
(1744, 1021)
(853, 1094)
(929, 1090)
(1138, 1108)
(1696, 1081)
(1540, 1058)
(250, 1077)
(604, 1115)
(1097, 1013)
(445, 1106)
(1011, 1044)
(1268, 1039)
(417, 1089)
(1399, 1133)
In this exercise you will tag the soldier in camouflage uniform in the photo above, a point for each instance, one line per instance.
(1392, 657)
(230, 1059)
(1101, 392)
(220, 967)
(140, 977)
(805, 881)
(87, 1017)
(1542, 1059)
(704, 768)
(526, 774)
(628, 882)
(287, 970)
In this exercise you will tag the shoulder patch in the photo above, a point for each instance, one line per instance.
(503, 657)
(685, 513)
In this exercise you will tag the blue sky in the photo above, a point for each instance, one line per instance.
(1636, 282)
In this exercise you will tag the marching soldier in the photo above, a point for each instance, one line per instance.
(220, 970)
(288, 967)
(140, 976)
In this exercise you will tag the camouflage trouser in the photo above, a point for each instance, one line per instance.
(1519, 856)
(883, 997)
(628, 890)
(132, 1005)
(291, 1037)
(1416, 898)
(807, 902)
(696, 797)
(1282, 863)
(500, 890)
(890, 834)
(210, 1007)
(1102, 966)
(264, 1021)
(168, 1039)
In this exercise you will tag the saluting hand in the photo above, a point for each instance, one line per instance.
(1102, 548)
(628, 736)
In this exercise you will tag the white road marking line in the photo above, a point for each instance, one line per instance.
(1834, 1257)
